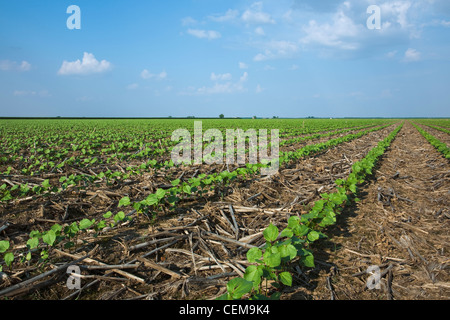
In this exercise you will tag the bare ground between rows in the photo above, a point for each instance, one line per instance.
(196, 248)
(401, 225)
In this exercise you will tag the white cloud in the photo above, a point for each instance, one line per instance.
(259, 89)
(188, 21)
(277, 49)
(25, 66)
(220, 88)
(260, 57)
(269, 68)
(397, 10)
(162, 75)
(132, 86)
(438, 23)
(224, 87)
(412, 55)
(342, 33)
(391, 54)
(145, 74)
(7, 65)
(204, 34)
(221, 77)
(254, 15)
(243, 65)
(244, 77)
(260, 31)
(228, 16)
(89, 65)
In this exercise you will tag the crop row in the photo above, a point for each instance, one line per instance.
(20, 190)
(439, 145)
(272, 263)
(32, 148)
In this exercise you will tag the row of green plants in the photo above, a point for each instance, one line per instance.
(79, 181)
(153, 203)
(288, 156)
(321, 135)
(8, 193)
(41, 243)
(271, 265)
(37, 147)
(435, 142)
(440, 129)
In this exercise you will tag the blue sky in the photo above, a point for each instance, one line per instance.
(286, 58)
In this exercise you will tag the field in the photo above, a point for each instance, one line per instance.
(359, 209)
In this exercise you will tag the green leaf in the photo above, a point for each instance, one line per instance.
(271, 233)
(254, 254)
(44, 254)
(46, 184)
(107, 215)
(253, 274)
(124, 202)
(160, 193)
(238, 287)
(4, 245)
(33, 243)
(187, 189)
(313, 236)
(57, 228)
(101, 224)
(49, 237)
(9, 258)
(85, 223)
(307, 258)
(286, 278)
(151, 200)
(272, 259)
(288, 251)
(72, 229)
(119, 216)
(175, 182)
(35, 234)
(287, 233)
